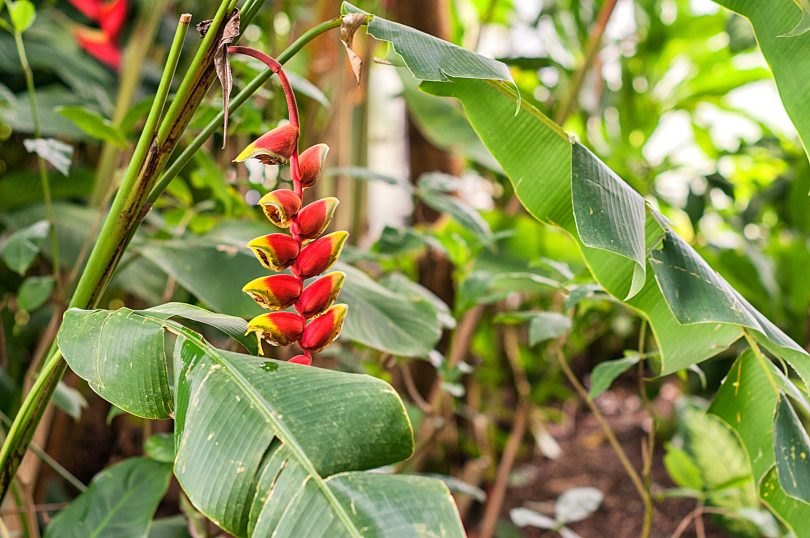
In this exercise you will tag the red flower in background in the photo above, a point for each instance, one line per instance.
(102, 43)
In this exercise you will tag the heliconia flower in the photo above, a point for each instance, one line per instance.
(315, 217)
(319, 255)
(275, 251)
(301, 359)
(89, 8)
(112, 16)
(280, 206)
(323, 330)
(274, 147)
(275, 292)
(277, 328)
(311, 163)
(320, 295)
(99, 46)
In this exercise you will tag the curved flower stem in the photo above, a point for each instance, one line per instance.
(295, 169)
(184, 158)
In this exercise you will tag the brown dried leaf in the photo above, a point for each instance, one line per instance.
(223, 67)
(348, 28)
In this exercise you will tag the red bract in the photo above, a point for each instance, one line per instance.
(301, 359)
(275, 292)
(275, 147)
(275, 251)
(112, 16)
(323, 330)
(99, 46)
(319, 255)
(280, 206)
(312, 160)
(314, 218)
(277, 328)
(320, 295)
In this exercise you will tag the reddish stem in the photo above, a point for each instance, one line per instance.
(295, 169)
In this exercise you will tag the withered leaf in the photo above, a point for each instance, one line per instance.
(223, 66)
(348, 28)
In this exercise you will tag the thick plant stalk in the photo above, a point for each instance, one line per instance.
(102, 261)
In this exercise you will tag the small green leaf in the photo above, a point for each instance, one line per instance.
(54, 151)
(69, 400)
(34, 292)
(22, 13)
(792, 448)
(436, 196)
(160, 447)
(606, 372)
(120, 502)
(21, 247)
(547, 326)
(682, 469)
(94, 124)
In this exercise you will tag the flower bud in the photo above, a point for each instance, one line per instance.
(310, 162)
(315, 217)
(274, 147)
(277, 328)
(301, 359)
(320, 295)
(319, 255)
(99, 45)
(280, 206)
(275, 292)
(275, 251)
(323, 330)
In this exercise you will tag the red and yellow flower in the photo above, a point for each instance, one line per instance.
(315, 320)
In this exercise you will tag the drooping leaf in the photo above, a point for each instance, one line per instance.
(792, 449)
(94, 124)
(103, 362)
(606, 373)
(538, 157)
(54, 151)
(431, 58)
(793, 512)
(525, 517)
(262, 445)
(682, 469)
(21, 248)
(119, 503)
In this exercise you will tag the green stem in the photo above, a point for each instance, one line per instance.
(184, 158)
(43, 170)
(100, 264)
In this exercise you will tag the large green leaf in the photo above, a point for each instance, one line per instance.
(266, 446)
(746, 402)
(397, 323)
(693, 312)
(125, 349)
(788, 56)
(792, 448)
(119, 503)
(430, 58)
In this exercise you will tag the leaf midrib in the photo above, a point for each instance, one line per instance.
(261, 403)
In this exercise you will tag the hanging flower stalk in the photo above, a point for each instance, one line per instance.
(315, 320)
